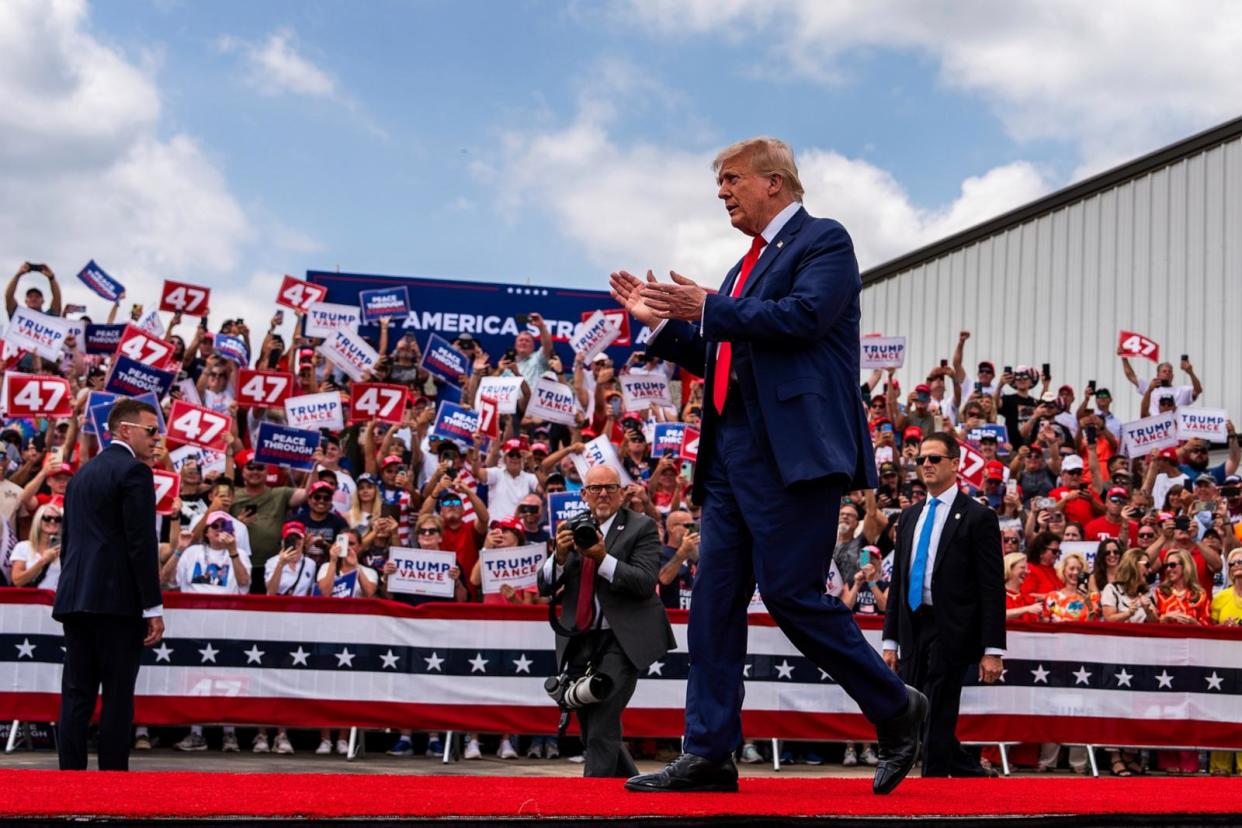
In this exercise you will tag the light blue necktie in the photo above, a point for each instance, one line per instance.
(914, 595)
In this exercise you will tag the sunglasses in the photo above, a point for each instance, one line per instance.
(320, 497)
(430, 530)
(52, 519)
(929, 459)
(1146, 535)
(1237, 562)
(1173, 565)
(221, 526)
(216, 375)
(1009, 540)
(256, 467)
(528, 510)
(452, 502)
(151, 431)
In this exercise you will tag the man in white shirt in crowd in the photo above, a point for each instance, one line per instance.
(507, 483)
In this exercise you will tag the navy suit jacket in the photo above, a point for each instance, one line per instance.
(794, 333)
(109, 560)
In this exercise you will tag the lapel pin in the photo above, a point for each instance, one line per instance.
(958, 516)
(780, 244)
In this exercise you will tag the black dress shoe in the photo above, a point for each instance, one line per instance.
(975, 771)
(687, 774)
(898, 743)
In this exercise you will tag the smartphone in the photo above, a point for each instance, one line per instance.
(1185, 357)
(511, 355)
(614, 405)
(279, 318)
(39, 267)
(691, 528)
(202, 323)
(1008, 369)
(944, 363)
(1089, 433)
(135, 312)
(864, 557)
(1046, 371)
(1011, 488)
(249, 510)
(342, 546)
(53, 541)
(391, 510)
(1166, 383)
(1181, 522)
(1045, 503)
(521, 318)
(1091, 386)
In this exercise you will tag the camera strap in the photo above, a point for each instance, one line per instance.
(555, 621)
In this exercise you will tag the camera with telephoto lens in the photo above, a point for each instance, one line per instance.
(585, 529)
(573, 693)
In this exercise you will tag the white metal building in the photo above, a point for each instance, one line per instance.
(1153, 246)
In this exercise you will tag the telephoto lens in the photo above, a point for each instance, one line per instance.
(587, 690)
(585, 529)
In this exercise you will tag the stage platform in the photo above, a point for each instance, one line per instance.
(38, 797)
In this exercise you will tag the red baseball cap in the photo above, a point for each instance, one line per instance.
(512, 524)
(512, 445)
(543, 447)
(389, 460)
(66, 469)
(922, 388)
(1169, 454)
(994, 470)
(912, 433)
(243, 457)
(1117, 491)
(293, 527)
(589, 433)
(321, 485)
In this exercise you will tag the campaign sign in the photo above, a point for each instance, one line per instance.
(167, 485)
(343, 586)
(667, 438)
(350, 352)
(638, 391)
(554, 402)
(563, 506)
(324, 318)
(883, 351)
(291, 448)
(151, 322)
(970, 466)
(208, 461)
(1206, 423)
(198, 426)
(1130, 344)
(103, 339)
(517, 566)
(455, 422)
(489, 418)
(36, 332)
(1141, 437)
(298, 296)
(392, 302)
(187, 299)
(506, 391)
(594, 334)
(600, 452)
(97, 279)
(690, 445)
(232, 348)
(1085, 548)
(130, 378)
(263, 389)
(377, 401)
(93, 399)
(75, 329)
(97, 416)
(619, 318)
(441, 359)
(141, 346)
(315, 411)
(36, 395)
(997, 430)
(422, 571)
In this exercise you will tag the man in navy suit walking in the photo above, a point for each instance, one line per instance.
(108, 598)
(784, 437)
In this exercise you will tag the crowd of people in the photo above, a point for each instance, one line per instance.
(1165, 530)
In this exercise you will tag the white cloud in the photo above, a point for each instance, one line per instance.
(1115, 77)
(647, 205)
(88, 172)
(275, 66)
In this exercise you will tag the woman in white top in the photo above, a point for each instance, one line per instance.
(336, 566)
(1126, 600)
(36, 562)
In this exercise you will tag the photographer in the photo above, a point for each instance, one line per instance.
(608, 602)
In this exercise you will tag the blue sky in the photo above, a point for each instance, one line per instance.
(229, 142)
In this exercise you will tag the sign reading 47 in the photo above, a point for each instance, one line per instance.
(198, 426)
(179, 297)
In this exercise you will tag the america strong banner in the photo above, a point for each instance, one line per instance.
(372, 663)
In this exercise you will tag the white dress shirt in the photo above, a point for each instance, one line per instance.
(945, 506)
(607, 569)
(158, 609)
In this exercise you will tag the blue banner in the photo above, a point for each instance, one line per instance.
(667, 439)
(485, 310)
(343, 586)
(232, 348)
(93, 399)
(444, 361)
(997, 430)
(97, 279)
(103, 339)
(292, 448)
(392, 301)
(563, 506)
(100, 408)
(130, 378)
(457, 423)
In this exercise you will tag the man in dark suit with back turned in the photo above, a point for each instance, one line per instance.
(784, 437)
(610, 596)
(108, 598)
(946, 602)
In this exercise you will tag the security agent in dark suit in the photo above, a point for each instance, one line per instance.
(108, 598)
(784, 437)
(946, 605)
(625, 628)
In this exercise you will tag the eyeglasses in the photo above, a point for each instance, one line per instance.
(1009, 540)
(1108, 552)
(1146, 535)
(1237, 562)
(52, 519)
(528, 510)
(256, 467)
(600, 488)
(926, 459)
(320, 497)
(429, 530)
(216, 375)
(1173, 565)
(151, 431)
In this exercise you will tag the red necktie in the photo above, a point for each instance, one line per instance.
(586, 595)
(724, 350)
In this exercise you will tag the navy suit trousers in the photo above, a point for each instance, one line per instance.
(756, 530)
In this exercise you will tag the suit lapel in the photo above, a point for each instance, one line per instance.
(773, 250)
(952, 521)
(618, 526)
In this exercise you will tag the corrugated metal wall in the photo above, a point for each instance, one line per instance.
(1160, 254)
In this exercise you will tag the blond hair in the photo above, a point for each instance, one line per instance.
(1066, 558)
(1012, 560)
(767, 156)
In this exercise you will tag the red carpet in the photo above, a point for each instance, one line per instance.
(199, 795)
